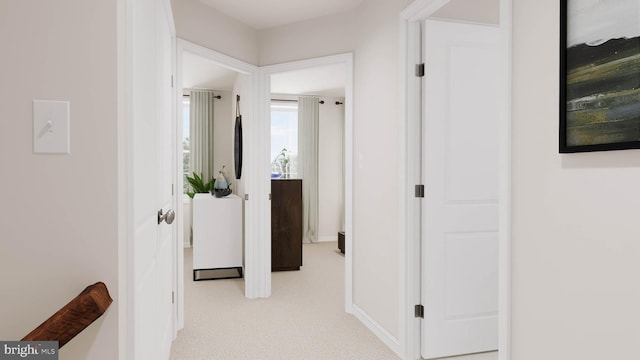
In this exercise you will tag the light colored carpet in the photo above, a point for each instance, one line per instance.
(303, 319)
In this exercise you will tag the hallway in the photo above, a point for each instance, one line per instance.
(303, 319)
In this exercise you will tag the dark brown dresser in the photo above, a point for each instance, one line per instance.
(341, 241)
(286, 224)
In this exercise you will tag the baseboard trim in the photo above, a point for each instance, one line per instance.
(391, 341)
(327, 238)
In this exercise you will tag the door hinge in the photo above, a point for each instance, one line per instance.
(173, 297)
(419, 191)
(420, 70)
(246, 196)
(419, 311)
(172, 189)
(270, 197)
(172, 81)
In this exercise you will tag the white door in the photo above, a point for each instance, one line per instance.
(460, 172)
(151, 151)
(165, 50)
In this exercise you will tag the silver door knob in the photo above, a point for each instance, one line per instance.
(167, 217)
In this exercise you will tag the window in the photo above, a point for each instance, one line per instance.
(284, 139)
(185, 143)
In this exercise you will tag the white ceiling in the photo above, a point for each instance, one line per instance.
(328, 80)
(263, 14)
(478, 11)
(201, 73)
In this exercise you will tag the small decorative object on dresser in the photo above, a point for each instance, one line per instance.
(221, 187)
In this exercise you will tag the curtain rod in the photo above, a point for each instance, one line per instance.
(287, 100)
(284, 100)
(214, 96)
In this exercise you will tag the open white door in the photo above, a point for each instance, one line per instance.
(460, 208)
(165, 40)
(151, 172)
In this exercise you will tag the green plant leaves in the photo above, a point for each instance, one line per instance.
(198, 186)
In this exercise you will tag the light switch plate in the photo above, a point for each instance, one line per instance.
(51, 127)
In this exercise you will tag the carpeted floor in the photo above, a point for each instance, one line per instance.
(303, 319)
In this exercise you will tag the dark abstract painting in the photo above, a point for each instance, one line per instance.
(599, 75)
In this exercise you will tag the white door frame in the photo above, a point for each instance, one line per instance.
(410, 164)
(265, 102)
(252, 278)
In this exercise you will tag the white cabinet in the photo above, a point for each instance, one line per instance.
(217, 234)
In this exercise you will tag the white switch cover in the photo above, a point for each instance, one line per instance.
(51, 127)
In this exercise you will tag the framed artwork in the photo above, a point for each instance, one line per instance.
(599, 75)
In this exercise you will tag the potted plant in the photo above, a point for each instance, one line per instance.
(198, 186)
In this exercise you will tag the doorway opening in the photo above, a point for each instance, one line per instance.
(307, 161)
(223, 79)
(329, 80)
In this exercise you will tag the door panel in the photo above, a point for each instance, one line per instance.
(144, 174)
(470, 259)
(460, 209)
(152, 163)
(166, 178)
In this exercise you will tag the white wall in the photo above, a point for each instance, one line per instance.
(376, 106)
(241, 87)
(334, 34)
(371, 32)
(203, 25)
(59, 221)
(330, 176)
(576, 240)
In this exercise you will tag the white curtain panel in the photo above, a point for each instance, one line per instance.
(201, 133)
(308, 131)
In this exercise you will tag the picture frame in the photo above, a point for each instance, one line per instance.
(599, 75)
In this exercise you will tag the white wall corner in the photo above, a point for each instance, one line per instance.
(391, 341)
